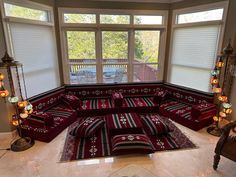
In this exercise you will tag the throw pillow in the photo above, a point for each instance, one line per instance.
(153, 125)
(198, 109)
(41, 118)
(159, 96)
(131, 143)
(117, 98)
(88, 127)
(71, 100)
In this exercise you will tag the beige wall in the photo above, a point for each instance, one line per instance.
(4, 116)
(230, 33)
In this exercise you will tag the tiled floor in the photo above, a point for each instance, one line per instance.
(42, 160)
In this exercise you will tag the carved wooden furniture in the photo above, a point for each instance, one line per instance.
(226, 145)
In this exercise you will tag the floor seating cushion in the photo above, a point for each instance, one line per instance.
(88, 127)
(183, 113)
(153, 125)
(95, 107)
(124, 123)
(41, 119)
(50, 104)
(131, 143)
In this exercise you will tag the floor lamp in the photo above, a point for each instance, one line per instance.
(221, 82)
(13, 69)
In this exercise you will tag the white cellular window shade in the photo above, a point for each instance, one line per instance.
(34, 46)
(194, 51)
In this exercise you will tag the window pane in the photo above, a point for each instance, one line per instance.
(81, 45)
(23, 12)
(82, 74)
(114, 45)
(190, 77)
(145, 72)
(79, 18)
(210, 15)
(148, 20)
(115, 19)
(114, 73)
(146, 46)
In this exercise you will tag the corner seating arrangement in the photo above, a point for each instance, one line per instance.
(189, 108)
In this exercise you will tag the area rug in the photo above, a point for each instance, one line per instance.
(99, 144)
(132, 171)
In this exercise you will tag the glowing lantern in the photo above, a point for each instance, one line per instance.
(223, 98)
(23, 115)
(13, 99)
(222, 114)
(227, 108)
(1, 76)
(15, 121)
(4, 93)
(214, 80)
(217, 89)
(215, 118)
(220, 63)
(29, 108)
(215, 72)
(22, 104)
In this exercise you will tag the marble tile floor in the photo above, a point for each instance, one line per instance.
(42, 160)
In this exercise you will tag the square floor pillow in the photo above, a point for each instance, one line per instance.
(117, 98)
(41, 118)
(71, 100)
(153, 125)
(124, 123)
(88, 127)
(159, 96)
(131, 143)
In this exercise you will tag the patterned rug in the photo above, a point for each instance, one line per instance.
(99, 145)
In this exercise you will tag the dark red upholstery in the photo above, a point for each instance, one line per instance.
(88, 127)
(49, 103)
(153, 125)
(182, 113)
(41, 119)
(124, 123)
(117, 99)
(131, 143)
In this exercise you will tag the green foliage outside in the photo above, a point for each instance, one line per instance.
(22, 12)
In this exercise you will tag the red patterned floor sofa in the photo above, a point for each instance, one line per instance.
(48, 105)
(190, 108)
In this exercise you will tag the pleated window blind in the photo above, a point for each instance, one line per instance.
(35, 47)
(193, 55)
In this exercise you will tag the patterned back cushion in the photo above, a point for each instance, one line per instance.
(159, 96)
(198, 109)
(41, 118)
(153, 125)
(71, 100)
(117, 98)
(88, 127)
(131, 143)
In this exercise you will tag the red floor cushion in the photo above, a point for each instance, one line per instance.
(131, 143)
(124, 123)
(71, 100)
(88, 127)
(41, 118)
(153, 125)
(94, 104)
(138, 102)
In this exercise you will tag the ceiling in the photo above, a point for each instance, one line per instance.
(152, 1)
